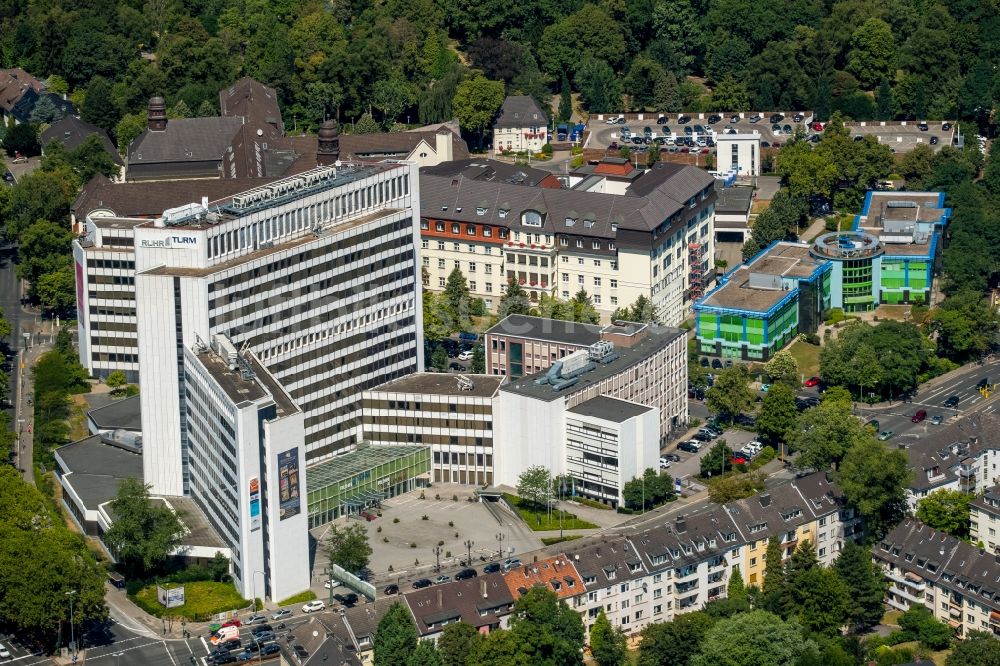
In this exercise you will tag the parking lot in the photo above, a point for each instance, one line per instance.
(901, 136)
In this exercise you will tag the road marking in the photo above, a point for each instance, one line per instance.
(202, 638)
(169, 654)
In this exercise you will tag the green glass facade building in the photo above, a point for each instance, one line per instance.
(348, 483)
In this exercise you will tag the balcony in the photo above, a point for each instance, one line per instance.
(907, 594)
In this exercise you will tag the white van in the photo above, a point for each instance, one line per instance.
(224, 634)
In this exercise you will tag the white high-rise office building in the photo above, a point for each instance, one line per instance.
(316, 274)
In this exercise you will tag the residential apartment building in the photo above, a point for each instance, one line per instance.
(316, 274)
(521, 126)
(963, 455)
(485, 602)
(453, 414)
(957, 582)
(985, 519)
(656, 239)
(614, 580)
(810, 508)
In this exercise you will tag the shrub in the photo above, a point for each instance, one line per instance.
(811, 338)
(395, 520)
(451, 523)
(441, 543)
(385, 539)
(547, 150)
(454, 498)
(424, 517)
(379, 530)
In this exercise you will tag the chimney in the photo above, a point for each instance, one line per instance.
(156, 116)
(440, 598)
(482, 588)
(328, 144)
(765, 499)
(680, 524)
(443, 144)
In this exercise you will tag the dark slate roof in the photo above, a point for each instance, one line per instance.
(326, 641)
(610, 409)
(124, 414)
(785, 506)
(364, 619)
(733, 200)
(150, 199)
(550, 330)
(256, 103)
(185, 140)
(490, 171)
(71, 132)
(605, 560)
(648, 202)
(95, 469)
(463, 600)
(521, 111)
(388, 144)
(688, 539)
(934, 457)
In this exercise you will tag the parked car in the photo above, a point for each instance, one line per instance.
(739, 459)
(262, 629)
(945, 126)
(313, 606)
(421, 583)
(511, 563)
(664, 463)
(983, 383)
(755, 118)
(233, 622)
(776, 128)
(615, 120)
(798, 117)
(885, 434)
(734, 119)
(465, 356)
(301, 652)
(265, 636)
(466, 574)
(922, 126)
(786, 129)
(703, 436)
(348, 599)
(936, 419)
(270, 648)
(714, 118)
(812, 381)
(919, 416)
(256, 619)
(690, 446)
(952, 401)
(8, 176)
(662, 120)
(389, 590)
(456, 366)
(672, 457)
(777, 117)
(683, 119)
(492, 567)
(814, 138)
(4, 652)
(227, 658)
(281, 614)
(816, 127)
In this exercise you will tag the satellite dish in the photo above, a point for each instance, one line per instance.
(337, 164)
(260, 132)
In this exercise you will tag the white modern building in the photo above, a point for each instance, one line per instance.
(246, 461)
(738, 153)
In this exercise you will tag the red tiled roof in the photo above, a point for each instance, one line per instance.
(555, 573)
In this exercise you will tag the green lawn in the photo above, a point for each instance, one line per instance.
(299, 598)
(807, 356)
(202, 599)
(542, 520)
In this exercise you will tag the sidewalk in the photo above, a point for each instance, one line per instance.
(135, 619)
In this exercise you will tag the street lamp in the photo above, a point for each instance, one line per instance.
(118, 658)
(72, 634)
(329, 584)
(437, 554)
(500, 537)
(469, 543)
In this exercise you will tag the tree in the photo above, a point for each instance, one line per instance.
(883, 101)
(736, 588)
(782, 367)
(649, 490)
(395, 637)
(607, 644)
(920, 622)
(90, 158)
(589, 30)
(865, 583)
(115, 381)
(99, 106)
(128, 128)
(874, 478)
(45, 111)
(965, 324)
(143, 535)
(438, 320)
(547, 630)
(392, 97)
(715, 462)
(476, 102)
(45, 248)
(514, 301)
(977, 648)
(651, 87)
(565, 100)
(583, 308)
(439, 359)
(641, 311)
(731, 394)
(22, 139)
(825, 434)
(873, 52)
(946, 510)
(534, 485)
(348, 547)
(673, 643)
(778, 418)
(730, 94)
(735, 486)
(478, 365)
(366, 125)
(773, 590)
(600, 88)
(56, 291)
(820, 601)
(456, 293)
(425, 655)
(756, 637)
(456, 643)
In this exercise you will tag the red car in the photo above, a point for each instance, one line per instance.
(232, 623)
(738, 460)
(817, 127)
(812, 381)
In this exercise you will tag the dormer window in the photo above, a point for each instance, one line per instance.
(588, 223)
(531, 218)
(614, 226)
(503, 213)
(570, 221)
(480, 211)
